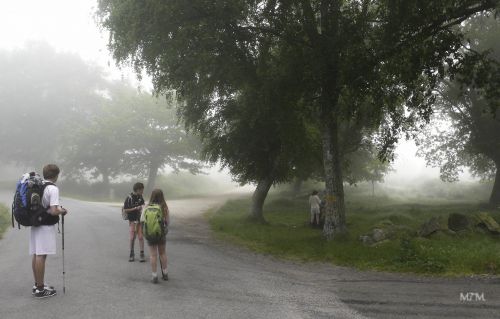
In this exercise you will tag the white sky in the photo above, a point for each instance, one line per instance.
(69, 25)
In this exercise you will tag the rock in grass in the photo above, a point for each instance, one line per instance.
(385, 231)
(379, 234)
(431, 226)
(485, 221)
(458, 222)
(366, 240)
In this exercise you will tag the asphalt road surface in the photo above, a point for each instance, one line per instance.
(211, 279)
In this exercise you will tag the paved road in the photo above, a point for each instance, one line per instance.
(210, 279)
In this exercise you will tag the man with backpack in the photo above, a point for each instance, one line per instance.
(43, 237)
(133, 207)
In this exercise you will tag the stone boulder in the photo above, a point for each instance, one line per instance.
(485, 221)
(379, 234)
(458, 222)
(384, 231)
(431, 226)
(376, 235)
(366, 240)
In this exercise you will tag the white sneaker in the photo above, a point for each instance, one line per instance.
(33, 291)
(44, 293)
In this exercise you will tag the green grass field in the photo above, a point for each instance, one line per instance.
(288, 235)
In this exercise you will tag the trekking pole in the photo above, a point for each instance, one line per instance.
(64, 272)
(161, 266)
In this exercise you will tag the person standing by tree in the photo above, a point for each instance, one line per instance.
(315, 203)
(133, 206)
(43, 237)
(157, 216)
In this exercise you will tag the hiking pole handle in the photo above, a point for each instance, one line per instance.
(62, 233)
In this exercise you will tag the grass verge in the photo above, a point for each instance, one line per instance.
(288, 235)
(4, 219)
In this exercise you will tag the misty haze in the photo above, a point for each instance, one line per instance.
(250, 159)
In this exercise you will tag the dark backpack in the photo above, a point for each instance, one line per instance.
(27, 208)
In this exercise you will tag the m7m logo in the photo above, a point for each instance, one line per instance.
(472, 296)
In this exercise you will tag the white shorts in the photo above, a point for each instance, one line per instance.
(314, 210)
(43, 240)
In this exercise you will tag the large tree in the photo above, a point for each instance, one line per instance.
(155, 138)
(353, 59)
(94, 149)
(465, 130)
(132, 133)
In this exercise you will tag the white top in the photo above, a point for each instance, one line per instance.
(50, 196)
(314, 201)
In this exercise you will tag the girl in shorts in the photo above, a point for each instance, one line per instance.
(159, 247)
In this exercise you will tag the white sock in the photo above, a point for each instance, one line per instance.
(165, 271)
(155, 274)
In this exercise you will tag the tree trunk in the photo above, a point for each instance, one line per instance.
(335, 207)
(258, 198)
(495, 193)
(153, 172)
(103, 189)
(105, 180)
(297, 186)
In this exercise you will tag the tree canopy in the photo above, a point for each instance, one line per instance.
(343, 61)
(466, 126)
(43, 92)
(59, 108)
(133, 133)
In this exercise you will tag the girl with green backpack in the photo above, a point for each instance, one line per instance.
(155, 220)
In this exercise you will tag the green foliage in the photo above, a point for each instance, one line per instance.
(58, 108)
(236, 86)
(466, 126)
(254, 75)
(133, 133)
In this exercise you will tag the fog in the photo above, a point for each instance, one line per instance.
(69, 26)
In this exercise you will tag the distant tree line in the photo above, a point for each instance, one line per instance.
(58, 108)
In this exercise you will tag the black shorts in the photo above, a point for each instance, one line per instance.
(134, 216)
(162, 241)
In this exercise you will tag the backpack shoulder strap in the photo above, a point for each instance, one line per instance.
(47, 183)
(128, 202)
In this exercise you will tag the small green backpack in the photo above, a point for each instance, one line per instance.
(153, 227)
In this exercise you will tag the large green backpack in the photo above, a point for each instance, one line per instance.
(153, 227)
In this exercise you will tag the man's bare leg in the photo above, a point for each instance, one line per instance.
(40, 269)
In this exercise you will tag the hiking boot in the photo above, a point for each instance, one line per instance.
(165, 276)
(33, 291)
(132, 257)
(154, 280)
(142, 259)
(44, 293)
